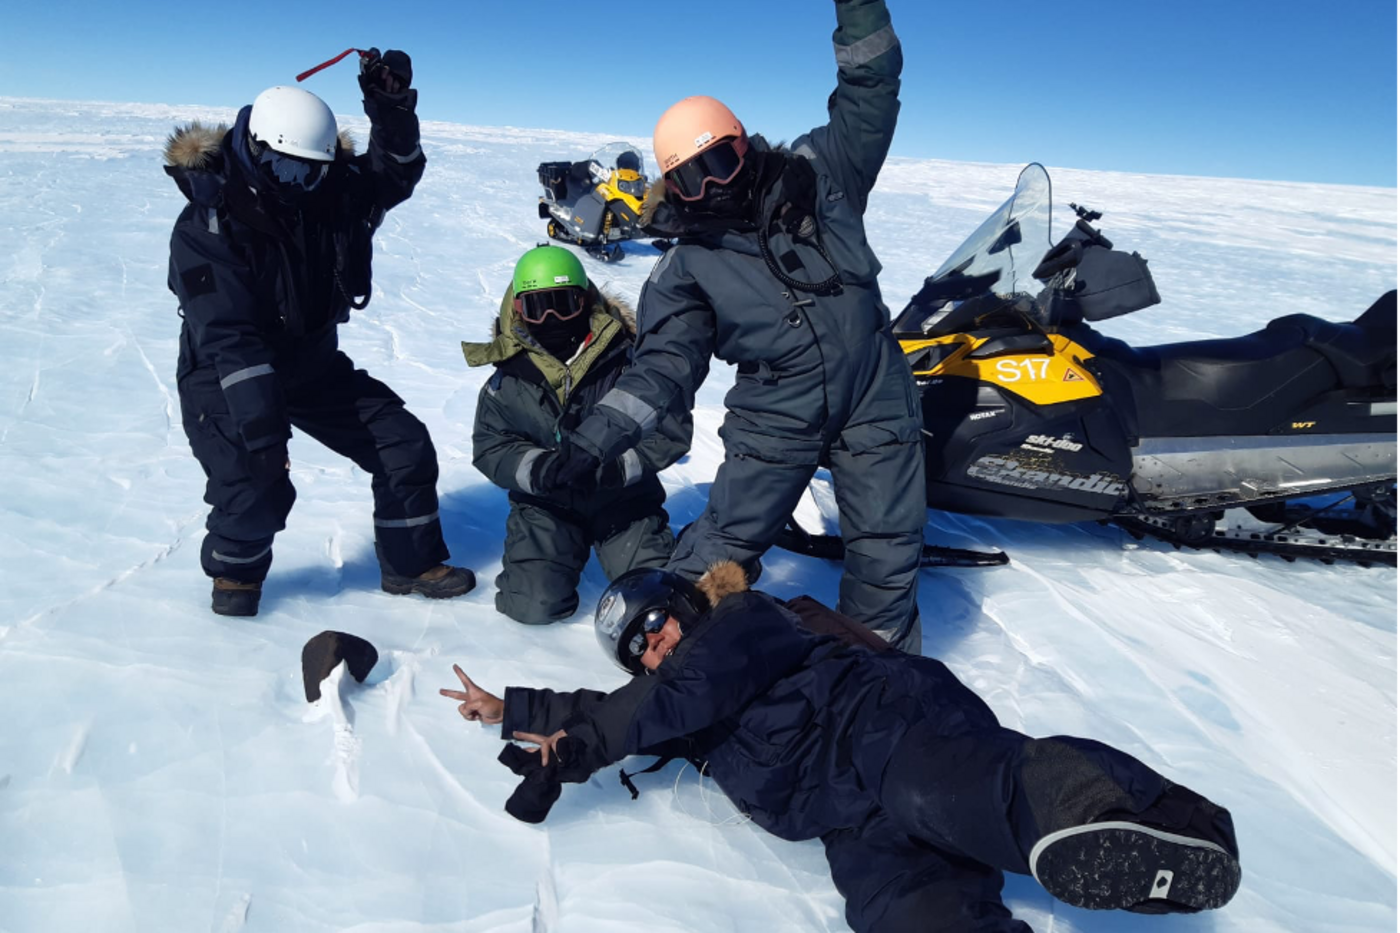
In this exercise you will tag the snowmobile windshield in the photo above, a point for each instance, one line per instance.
(1000, 255)
(618, 155)
(1012, 240)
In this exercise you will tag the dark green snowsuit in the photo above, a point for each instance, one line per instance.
(525, 407)
(821, 381)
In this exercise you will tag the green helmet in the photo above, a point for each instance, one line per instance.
(548, 267)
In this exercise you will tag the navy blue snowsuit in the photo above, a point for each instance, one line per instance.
(262, 287)
(920, 797)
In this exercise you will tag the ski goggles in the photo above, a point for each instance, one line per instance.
(719, 164)
(292, 171)
(563, 304)
(654, 621)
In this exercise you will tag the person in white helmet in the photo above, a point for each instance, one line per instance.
(268, 257)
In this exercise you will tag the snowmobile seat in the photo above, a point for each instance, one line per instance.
(1379, 319)
(1242, 385)
(1358, 353)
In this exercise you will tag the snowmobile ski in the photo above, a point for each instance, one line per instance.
(829, 547)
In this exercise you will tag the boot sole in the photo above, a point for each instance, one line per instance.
(408, 589)
(235, 613)
(1127, 866)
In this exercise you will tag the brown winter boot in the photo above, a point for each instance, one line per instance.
(441, 582)
(235, 598)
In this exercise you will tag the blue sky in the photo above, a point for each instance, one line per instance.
(1271, 89)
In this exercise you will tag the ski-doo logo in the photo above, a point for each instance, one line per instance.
(1042, 441)
(1007, 472)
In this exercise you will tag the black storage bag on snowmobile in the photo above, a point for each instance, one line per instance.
(1099, 281)
(554, 176)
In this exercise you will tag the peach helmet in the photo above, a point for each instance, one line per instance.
(694, 126)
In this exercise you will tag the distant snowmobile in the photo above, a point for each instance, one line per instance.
(595, 203)
(1281, 441)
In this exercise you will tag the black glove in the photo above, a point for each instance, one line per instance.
(389, 101)
(389, 74)
(612, 475)
(570, 467)
(540, 788)
(268, 465)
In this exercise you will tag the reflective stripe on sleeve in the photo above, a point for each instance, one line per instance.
(405, 159)
(631, 406)
(631, 466)
(405, 522)
(233, 379)
(871, 47)
(226, 559)
(527, 463)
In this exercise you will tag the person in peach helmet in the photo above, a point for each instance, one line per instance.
(771, 271)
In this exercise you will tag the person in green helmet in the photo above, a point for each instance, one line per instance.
(558, 346)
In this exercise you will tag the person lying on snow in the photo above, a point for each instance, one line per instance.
(558, 347)
(921, 799)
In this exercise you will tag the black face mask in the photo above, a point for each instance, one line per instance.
(560, 339)
(733, 201)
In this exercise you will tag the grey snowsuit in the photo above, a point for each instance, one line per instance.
(524, 408)
(821, 380)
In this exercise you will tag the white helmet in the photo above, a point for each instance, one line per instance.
(295, 122)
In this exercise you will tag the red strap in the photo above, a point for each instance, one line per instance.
(306, 74)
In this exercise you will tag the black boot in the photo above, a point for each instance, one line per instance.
(1177, 856)
(440, 582)
(235, 598)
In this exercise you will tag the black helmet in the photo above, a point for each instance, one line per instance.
(639, 602)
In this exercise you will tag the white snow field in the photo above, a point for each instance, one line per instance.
(160, 769)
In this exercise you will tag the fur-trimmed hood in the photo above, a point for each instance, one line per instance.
(723, 579)
(611, 321)
(198, 156)
(195, 145)
(505, 339)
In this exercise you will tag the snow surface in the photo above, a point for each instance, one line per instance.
(161, 771)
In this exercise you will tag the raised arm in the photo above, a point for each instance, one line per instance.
(865, 105)
(394, 161)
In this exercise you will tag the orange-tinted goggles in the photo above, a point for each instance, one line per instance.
(563, 304)
(719, 165)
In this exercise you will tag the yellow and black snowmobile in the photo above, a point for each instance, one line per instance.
(1277, 442)
(1281, 441)
(595, 203)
